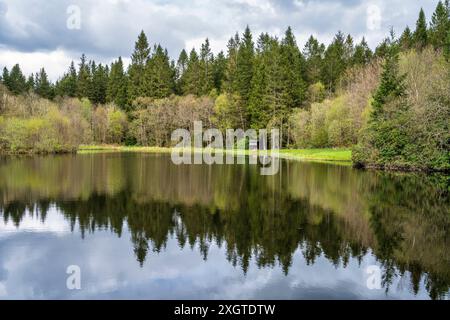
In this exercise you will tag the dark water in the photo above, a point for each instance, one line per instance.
(140, 227)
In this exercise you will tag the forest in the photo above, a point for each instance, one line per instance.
(390, 105)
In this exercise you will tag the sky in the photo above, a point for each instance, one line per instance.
(52, 33)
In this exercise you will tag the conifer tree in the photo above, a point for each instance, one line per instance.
(314, 53)
(231, 82)
(30, 83)
(206, 69)
(83, 82)
(158, 80)
(267, 104)
(5, 77)
(16, 82)
(43, 86)
(117, 85)
(334, 62)
(219, 68)
(72, 81)
(391, 85)
(192, 80)
(136, 72)
(363, 54)
(181, 68)
(291, 60)
(421, 33)
(439, 26)
(406, 39)
(244, 70)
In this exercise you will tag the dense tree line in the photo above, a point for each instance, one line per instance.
(311, 93)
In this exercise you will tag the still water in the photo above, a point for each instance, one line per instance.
(139, 227)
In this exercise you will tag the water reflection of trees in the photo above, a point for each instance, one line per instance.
(328, 211)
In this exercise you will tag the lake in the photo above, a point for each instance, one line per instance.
(139, 227)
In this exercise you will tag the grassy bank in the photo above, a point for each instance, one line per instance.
(333, 155)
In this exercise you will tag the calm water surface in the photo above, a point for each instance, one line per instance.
(140, 227)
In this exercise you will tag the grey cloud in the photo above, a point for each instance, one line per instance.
(110, 27)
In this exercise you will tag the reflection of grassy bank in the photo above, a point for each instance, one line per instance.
(335, 155)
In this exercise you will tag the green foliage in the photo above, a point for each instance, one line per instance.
(408, 127)
(136, 71)
(439, 26)
(421, 33)
(15, 81)
(42, 85)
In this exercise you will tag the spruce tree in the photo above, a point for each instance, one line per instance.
(314, 53)
(391, 85)
(231, 82)
(83, 82)
(5, 77)
(16, 81)
(136, 72)
(192, 83)
(72, 81)
(406, 39)
(334, 62)
(98, 83)
(117, 85)
(363, 54)
(30, 83)
(43, 86)
(439, 26)
(219, 69)
(267, 104)
(291, 62)
(206, 68)
(181, 68)
(421, 33)
(158, 80)
(244, 72)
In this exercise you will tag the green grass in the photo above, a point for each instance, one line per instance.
(327, 155)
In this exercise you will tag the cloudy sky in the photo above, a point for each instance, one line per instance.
(51, 33)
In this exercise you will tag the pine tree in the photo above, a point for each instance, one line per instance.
(439, 26)
(334, 62)
(181, 68)
(30, 83)
(391, 85)
(83, 82)
(98, 83)
(314, 53)
(158, 80)
(206, 68)
(16, 82)
(363, 54)
(192, 84)
(43, 86)
(219, 68)
(421, 33)
(349, 50)
(244, 70)
(136, 72)
(406, 39)
(267, 104)
(291, 62)
(5, 77)
(117, 85)
(231, 82)
(72, 81)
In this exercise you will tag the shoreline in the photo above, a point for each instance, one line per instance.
(338, 156)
